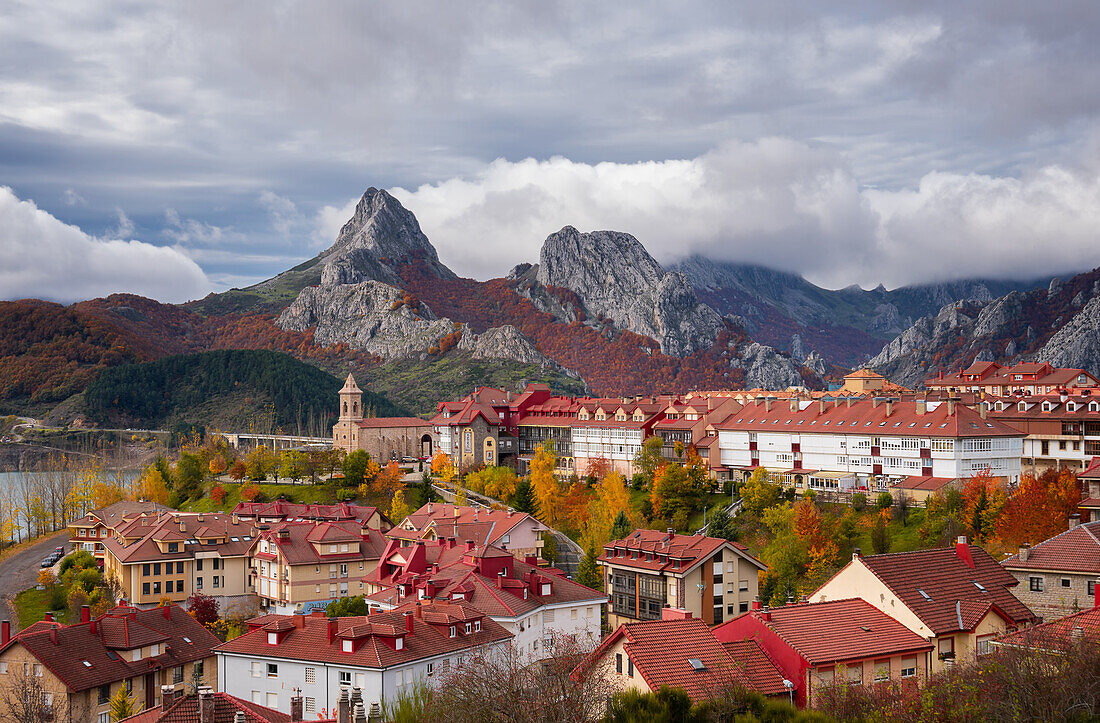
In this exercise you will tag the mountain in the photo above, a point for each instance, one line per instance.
(847, 325)
(230, 389)
(1059, 324)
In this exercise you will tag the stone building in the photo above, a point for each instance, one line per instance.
(1058, 576)
(383, 438)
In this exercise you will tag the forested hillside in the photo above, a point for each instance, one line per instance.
(261, 390)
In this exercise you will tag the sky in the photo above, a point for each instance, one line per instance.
(173, 149)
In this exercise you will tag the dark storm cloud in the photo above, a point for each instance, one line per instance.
(237, 133)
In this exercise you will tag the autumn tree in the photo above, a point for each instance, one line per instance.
(498, 483)
(1039, 508)
(217, 494)
(984, 497)
(547, 489)
(759, 493)
(238, 471)
(648, 459)
(292, 464)
(122, 704)
(203, 608)
(152, 486)
(217, 465)
(357, 467)
(612, 501)
(399, 509)
(675, 494)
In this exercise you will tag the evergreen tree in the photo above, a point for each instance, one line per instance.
(621, 528)
(122, 705)
(524, 498)
(348, 607)
(721, 525)
(588, 572)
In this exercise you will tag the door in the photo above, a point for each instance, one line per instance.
(150, 690)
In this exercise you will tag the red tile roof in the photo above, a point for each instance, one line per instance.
(1056, 633)
(281, 509)
(1075, 550)
(186, 710)
(390, 422)
(299, 549)
(661, 651)
(948, 581)
(865, 417)
(184, 638)
(237, 535)
(311, 643)
(927, 483)
(690, 549)
(483, 526)
(837, 630)
(762, 672)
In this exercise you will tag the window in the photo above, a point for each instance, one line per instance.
(145, 570)
(347, 646)
(103, 718)
(399, 643)
(257, 669)
(179, 567)
(1066, 582)
(477, 626)
(144, 588)
(173, 547)
(37, 670)
(431, 668)
(629, 667)
(3, 668)
(854, 672)
(882, 670)
(452, 631)
(198, 583)
(825, 675)
(470, 626)
(345, 678)
(198, 666)
(619, 663)
(156, 568)
(272, 670)
(309, 705)
(177, 674)
(257, 697)
(169, 586)
(947, 648)
(1092, 589)
(1035, 584)
(743, 586)
(984, 645)
(104, 693)
(909, 667)
(311, 675)
(156, 587)
(272, 700)
(272, 638)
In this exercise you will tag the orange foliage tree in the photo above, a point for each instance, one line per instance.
(984, 497)
(1039, 508)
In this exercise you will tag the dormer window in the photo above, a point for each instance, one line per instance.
(1022, 406)
(477, 626)
(1071, 407)
(453, 631)
(399, 643)
(1047, 406)
(272, 638)
(469, 627)
(1094, 406)
(347, 646)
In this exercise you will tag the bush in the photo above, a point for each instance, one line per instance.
(859, 501)
(884, 501)
(81, 560)
(252, 493)
(88, 579)
(346, 495)
(55, 598)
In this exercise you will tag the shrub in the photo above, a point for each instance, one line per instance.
(217, 495)
(859, 501)
(884, 501)
(252, 493)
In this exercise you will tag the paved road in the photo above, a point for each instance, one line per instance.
(20, 571)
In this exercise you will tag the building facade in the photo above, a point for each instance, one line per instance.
(385, 439)
(712, 578)
(1058, 576)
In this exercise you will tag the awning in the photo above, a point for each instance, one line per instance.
(798, 470)
(833, 475)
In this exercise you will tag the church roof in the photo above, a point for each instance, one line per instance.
(351, 386)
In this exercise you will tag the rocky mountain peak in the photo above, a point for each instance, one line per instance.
(616, 278)
(380, 235)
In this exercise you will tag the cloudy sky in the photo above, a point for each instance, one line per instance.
(176, 148)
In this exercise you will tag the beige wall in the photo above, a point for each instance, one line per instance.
(818, 676)
(1055, 601)
(232, 573)
(302, 582)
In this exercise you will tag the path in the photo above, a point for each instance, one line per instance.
(19, 570)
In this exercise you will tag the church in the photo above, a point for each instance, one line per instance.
(383, 438)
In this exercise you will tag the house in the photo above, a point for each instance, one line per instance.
(536, 605)
(79, 667)
(174, 555)
(282, 511)
(814, 644)
(868, 443)
(295, 563)
(381, 654)
(1057, 635)
(89, 532)
(469, 430)
(990, 378)
(1062, 428)
(678, 652)
(1090, 489)
(1057, 577)
(209, 707)
(958, 598)
(518, 532)
(649, 570)
(385, 439)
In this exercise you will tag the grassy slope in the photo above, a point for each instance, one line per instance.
(303, 493)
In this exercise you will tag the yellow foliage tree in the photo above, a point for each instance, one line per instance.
(46, 577)
(548, 492)
(152, 486)
(105, 493)
(399, 508)
(218, 465)
(442, 468)
(612, 497)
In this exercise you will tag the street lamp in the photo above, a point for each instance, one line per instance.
(790, 689)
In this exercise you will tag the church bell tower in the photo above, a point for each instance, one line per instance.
(345, 435)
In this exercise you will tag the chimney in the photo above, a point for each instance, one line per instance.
(756, 603)
(85, 613)
(469, 545)
(295, 706)
(299, 620)
(93, 626)
(166, 697)
(767, 404)
(849, 401)
(53, 634)
(875, 402)
(962, 551)
(766, 614)
(238, 717)
(982, 409)
(49, 616)
(343, 707)
(360, 714)
(794, 404)
(941, 374)
(356, 697)
(419, 612)
(284, 535)
(1096, 593)
(1025, 550)
(889, 407)
(429, 508)
(236, 519)
(922, 407)
(333, 628)
(857, 553)
(1074, 520)
(409, 622)
(951, 407)
(199, 518)
(5, 632)
(166, 611)
(207, 703)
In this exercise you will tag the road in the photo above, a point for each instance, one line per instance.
(19, 571)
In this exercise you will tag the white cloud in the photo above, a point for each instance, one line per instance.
(47, 259)
(775, 202)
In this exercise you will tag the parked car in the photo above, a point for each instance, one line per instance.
(59, 550)
(48, 562)
(408, 460)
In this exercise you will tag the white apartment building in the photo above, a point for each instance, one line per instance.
(381, 654)
(871, 443)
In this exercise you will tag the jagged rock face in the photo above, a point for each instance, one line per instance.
(615, 276)
(766, 368)
(380, 235)
(363, 317)
(506, 342)
(1077, 344)
(904, 359)
(815, 363)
